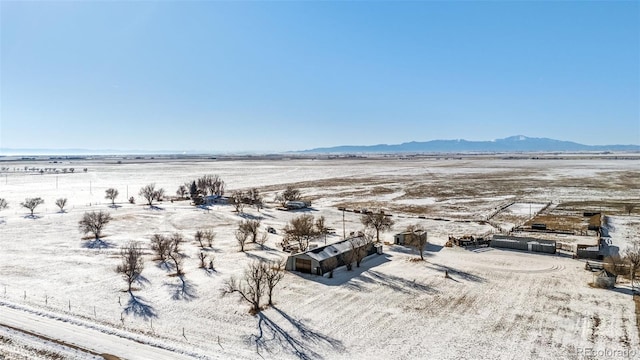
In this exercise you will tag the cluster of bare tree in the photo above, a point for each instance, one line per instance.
(248, 230)
(151, 194)
(41, 170)
(167, 250)
(259, 277)
(252, 197)
(205, 239)
(32, 203)
(202, 186)
(301, 230)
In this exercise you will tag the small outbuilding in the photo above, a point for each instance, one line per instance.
(402, 238)
(604, 279)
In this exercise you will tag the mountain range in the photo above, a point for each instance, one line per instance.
(518, 143)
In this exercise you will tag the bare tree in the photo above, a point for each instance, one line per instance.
(615, 264)
(377, 221)
(273, 273)
(360, 246)
(291, 194)
(255, 198)
(203, 260)
(329, 265)
(93, 222)
(629, 208)
(32, 204)
(241, 237)
(209, 235)
(632, 256)
(300, 230)
(61, 203)
(205, 237)
(263, 239)
(217, 186)
(3, 204)
(210, 184)
(250, 227)
(160, 244)
(251, 286)
(111, 194)
(203, 184)
(151, 194)
(417, 238)
(182, 191)
(237, 200)
(348, 258)
(322, 228)
(175, 241)
(280, 199)
(199, 236)
(132, 263)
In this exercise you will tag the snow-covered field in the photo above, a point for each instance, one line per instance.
(496, 303)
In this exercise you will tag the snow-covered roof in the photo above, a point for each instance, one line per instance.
(331, 250)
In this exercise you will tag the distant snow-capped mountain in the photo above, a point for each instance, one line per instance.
(518, 143)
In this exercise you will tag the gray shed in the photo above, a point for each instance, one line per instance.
(402, 238)
(524, 243)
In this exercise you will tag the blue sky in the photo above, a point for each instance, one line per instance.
(274, 76)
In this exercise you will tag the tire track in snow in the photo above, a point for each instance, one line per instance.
(86, 335)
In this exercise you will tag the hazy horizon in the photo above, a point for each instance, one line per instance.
(260, 77)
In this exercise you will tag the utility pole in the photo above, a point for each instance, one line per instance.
(344, 232)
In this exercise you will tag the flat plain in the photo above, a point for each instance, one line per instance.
(495, 304)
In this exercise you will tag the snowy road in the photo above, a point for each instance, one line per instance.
(89, 340)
